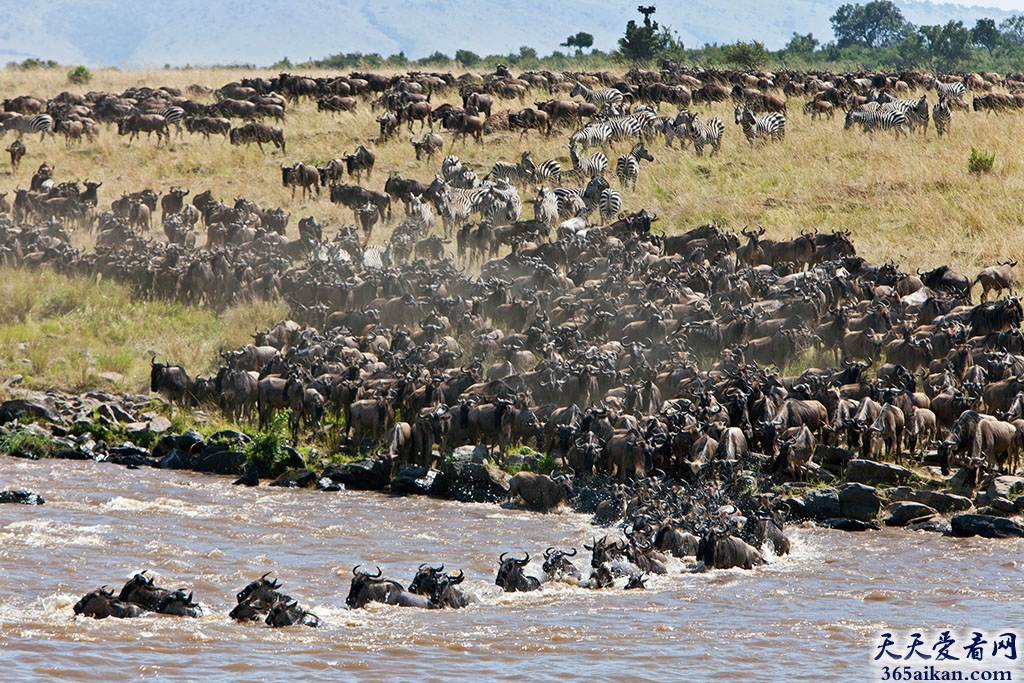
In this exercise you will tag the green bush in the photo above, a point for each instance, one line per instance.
(265, 449)
(980, 162)
(79, 75)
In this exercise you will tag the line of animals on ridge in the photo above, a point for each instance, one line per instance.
(434, 588)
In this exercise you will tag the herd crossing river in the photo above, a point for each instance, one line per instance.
(821, 608)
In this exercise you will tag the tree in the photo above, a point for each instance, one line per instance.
(750, 55)
(645, 42)
(985, 34)
(802, 45)
(467, 58)
(1012, 30)
(948, 45)
(876, 24)
(581, 41)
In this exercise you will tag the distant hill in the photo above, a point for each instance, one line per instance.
(261, 32)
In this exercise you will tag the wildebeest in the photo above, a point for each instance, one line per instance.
(101, 603)
(170, 380)
(558, 567)
(360, 160)
(366, 588)
(541, 491)
(285, 613)
(511, 577)
(301, 175)
(136, 123)
(720, 550)
(17, 151)
(258, 133)
(997, 278)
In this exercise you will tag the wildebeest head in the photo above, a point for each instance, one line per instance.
(557, 564)
(510, 574)
(362, 587)
(180, 604)
(426, 579)
(285, 613)
(262, 591)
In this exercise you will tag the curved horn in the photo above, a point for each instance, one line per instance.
(572, 554)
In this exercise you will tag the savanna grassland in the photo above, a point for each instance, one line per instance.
(912, 200)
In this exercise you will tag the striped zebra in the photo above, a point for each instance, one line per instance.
(174, 116)
(624, 128)
(702, 133)
(768, 126)
(609, 204)
(516, 173)
(599, 98)
(570, 202)
(627, 168)
(42, 124)
(548, 171)
(454, 209)
(501, 204)
(916, 111)
(948, 91)
(942, 114)
(589, 166)
(893, 120)
(593, 135)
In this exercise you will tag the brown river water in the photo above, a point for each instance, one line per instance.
(816, 614)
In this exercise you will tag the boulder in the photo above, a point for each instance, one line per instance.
(414, 480)
(190, 441)
(859, 501)
(250, 475)
(371, 474)
(942, 502)
(471, 483)
(872, 472)
(822, 503)
(846, 524)
(17, 408)
(218, 460)
(935, 524)
(303, 479)
(902, 512)
(1003, 487)
(1002, 507)
(474, 454)
(22, 497)
(175, 460)
(986, 526)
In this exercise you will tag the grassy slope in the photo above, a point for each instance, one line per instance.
(910, 200)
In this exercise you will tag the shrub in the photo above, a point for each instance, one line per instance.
(980, 162)
(79, 75)
(265, 449)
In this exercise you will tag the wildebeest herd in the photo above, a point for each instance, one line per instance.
(674, 367)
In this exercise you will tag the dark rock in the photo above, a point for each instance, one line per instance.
(935, 524)
(845, 524)
(859, 501)
(229, 436)
(1002, 507)
(304, 478)
(191, 441)
(414, 480)
(175, 460)
(833, 455)
(64, 454)
(22, 497)
(942, 502)
(822, 503)
(129, 455)
(902, 512)
(164, 445)
(1002, 487)
(797, 509)
(17, 408)
(326, 484)
(986, 526)
(471, 483)
(364, 475)
(250, 476)
(293, 459)
(962, 483)
(872, 472)
(218, 460)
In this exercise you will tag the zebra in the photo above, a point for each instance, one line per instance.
(455, 208)
(590, 166)
(599, 98)
(893, 120)
(174, 116)
(942, 113)
(593, 135)
(702, 133)
(501, 204)
(42, 123)
(627, 168)
(948, 91)
(511, 171)
(609, 204)
(771, 125)
(570, 202)
(624, 127)
(916, 111)
(549, 171)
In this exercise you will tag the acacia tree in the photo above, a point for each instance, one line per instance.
(581, 41)
(645, 42)
(876, 24)
(985, 34)
(948, 45)
(1012, 30)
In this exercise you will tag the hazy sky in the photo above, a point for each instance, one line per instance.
(1008, 5)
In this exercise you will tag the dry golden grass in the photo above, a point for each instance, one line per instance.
(912, 200)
